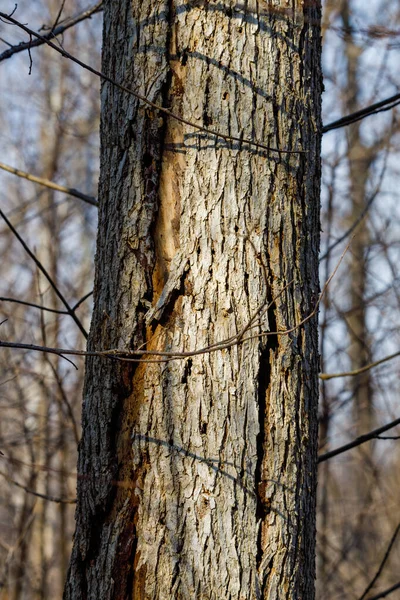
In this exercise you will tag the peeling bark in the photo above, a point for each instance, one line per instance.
(197, 477)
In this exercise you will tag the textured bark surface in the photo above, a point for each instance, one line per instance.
(197, 477)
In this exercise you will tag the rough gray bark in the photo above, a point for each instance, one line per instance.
(197, 477)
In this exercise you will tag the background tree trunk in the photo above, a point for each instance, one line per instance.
(360, 158)
(197, 477)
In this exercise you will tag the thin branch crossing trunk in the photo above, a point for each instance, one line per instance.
(197, 477)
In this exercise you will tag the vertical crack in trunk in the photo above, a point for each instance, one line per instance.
(267, 354)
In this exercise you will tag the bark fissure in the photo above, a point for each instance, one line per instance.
(262, 503)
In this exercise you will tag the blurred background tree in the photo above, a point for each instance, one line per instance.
(49, 127)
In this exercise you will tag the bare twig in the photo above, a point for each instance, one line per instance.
(45, 308)
(372, 109)
(380, 569)
(86, 14)
(45, 496)
(5, 42)
(144, 99)
(50, 184)
(58, 17)
(137, 355)
(127, 355)
(45, 273)
(326, 376)
(358, 441)
(386, 592)
(85, 297)
(362, 214)
(39, 467)
(30, 55)
(315, 309)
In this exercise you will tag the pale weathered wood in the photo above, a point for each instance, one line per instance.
(197, 478)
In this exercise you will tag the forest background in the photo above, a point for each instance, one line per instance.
(49, 122)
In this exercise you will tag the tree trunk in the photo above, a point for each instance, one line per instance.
(197, 476)
(360, 158)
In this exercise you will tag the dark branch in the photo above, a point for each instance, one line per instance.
(372, 109)
(44, 496)
(326, 376)
(50, 184)
(45, 308)
(45, 273)
(358, 441)
(85, 297)
(381, 106)
(380, 569)
(144, 99)
(386, 592)
(53, 33)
